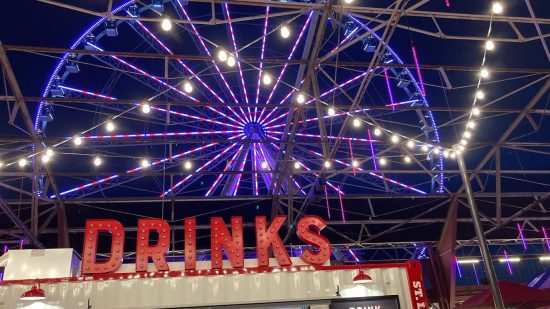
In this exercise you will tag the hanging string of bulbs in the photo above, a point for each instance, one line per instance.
(300, 98)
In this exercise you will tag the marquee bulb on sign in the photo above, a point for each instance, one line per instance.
(285, 32)
(222, 55)
(166, 24)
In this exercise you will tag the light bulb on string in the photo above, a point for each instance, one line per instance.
(475, 112)
(327, 164)
(1, 164)
(446, 153)
(461, 147)
(395, 138)
(484, 73)
(77, 140)
(497, 7)
(452, 155)
(425, 148)
(49, 152)
(331, 111)
(285, 32)
(348, 1)
(463, 142)
(144, 163)
(222, 55)
(264, 165)
(489, 44)
(97, 161)
(45, 158)
(22, 162)
(297, 165)
(377, 132)
(187, 86)
(231, 61)
(410, 144)
(356, 122)
(407, 159)
(467, 134)
(480, 94)
(382, 161)
(471, 124)
(110, 126)
(187, 165)
(436, 150)
(145, 108)
(166, 24)
(267, 79)
(355, 163)
(300, 98)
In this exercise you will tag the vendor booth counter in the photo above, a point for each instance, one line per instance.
(393, 285)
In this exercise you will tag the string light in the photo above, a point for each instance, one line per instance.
(407, 159)
(1, 164)
(144, 163)
(348, 1)
(480, 95)
(166, 24)
(110, 126)
(475, 112)
(327, 164)
(300, 98)
(297, 165)
(382, 161)
(489, 44)
(331, 111)
(97, 161)
(285, 32)
(77, 140)
(49, 152)
(436, 150)
(467, 134)
(410, 144)
(187, 86)
(22, 162)
(446, 153)
(497, 7)
(472, 124)
(187, 165)
(45, 158)
(395, 139)
(484, 73)
(463, 142)
(377, 132)
(267, 79)
(452, 155)
(231, 61)
(264, 165)
(356, 122)
(355, 163)
(425, 148)
(222, 55)
(145, 108)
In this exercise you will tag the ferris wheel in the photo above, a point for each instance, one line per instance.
(220, 121)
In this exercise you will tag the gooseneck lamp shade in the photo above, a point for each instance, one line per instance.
(35, 293)
(361, 278)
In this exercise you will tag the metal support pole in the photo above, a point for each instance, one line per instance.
(485, 254)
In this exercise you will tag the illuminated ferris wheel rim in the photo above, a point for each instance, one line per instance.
(244, 124)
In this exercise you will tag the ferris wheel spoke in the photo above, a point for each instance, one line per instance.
(232, 185)
(236, 51)
(184, 180)
(285, 66)
(222, 175)
(262, 54)
(207, 51)
(131, 171)
(200, 118)
(159, 134)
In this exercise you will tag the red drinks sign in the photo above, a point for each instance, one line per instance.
(231, 242)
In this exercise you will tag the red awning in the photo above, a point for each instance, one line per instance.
(513, 294)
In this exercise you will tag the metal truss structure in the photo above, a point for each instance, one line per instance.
(341, 57)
